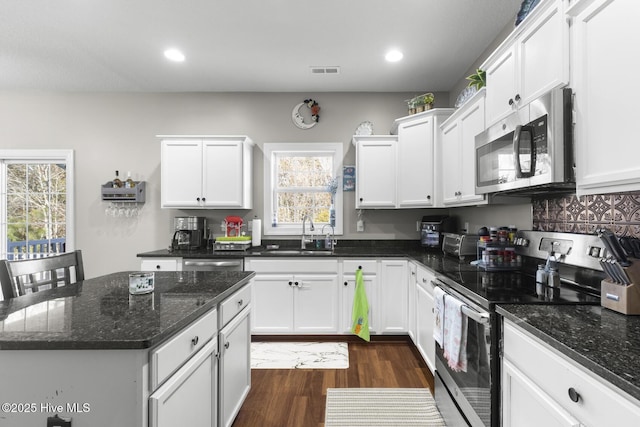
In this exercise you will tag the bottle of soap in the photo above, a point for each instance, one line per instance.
(327, 242)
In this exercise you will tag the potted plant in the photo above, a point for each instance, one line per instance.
(420, 103)
(478, 80)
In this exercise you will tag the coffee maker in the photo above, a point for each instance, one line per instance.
(189, 233)
(433, 229)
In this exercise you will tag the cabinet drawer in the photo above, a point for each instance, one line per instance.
(424, 278)
(368, 266)
(164, 264)
(234, 304)
(292, 265)
(556, 376)
(167, 358)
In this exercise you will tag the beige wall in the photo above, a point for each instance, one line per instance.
(117, 131)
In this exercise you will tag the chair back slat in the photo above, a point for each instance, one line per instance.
(31, 275)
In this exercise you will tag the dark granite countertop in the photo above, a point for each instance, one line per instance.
(100, 313)
(603, 341)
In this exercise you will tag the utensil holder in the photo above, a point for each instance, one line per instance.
(624, 299)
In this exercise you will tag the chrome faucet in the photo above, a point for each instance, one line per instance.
(304, 239)
(333, 236)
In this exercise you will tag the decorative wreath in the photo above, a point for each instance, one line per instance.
(298, 120)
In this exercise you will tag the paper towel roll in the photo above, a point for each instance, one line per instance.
(256, 232)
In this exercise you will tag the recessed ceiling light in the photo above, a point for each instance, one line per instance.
(393, 56)
(174, 55)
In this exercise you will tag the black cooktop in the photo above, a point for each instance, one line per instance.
(488, 288)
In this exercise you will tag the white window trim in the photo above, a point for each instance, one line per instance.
(64, 156)
(270, 148)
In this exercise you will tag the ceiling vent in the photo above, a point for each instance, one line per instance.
(325, 70)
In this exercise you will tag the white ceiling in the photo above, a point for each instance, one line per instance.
(244, 45)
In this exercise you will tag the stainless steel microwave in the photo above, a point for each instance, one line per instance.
(531, 150)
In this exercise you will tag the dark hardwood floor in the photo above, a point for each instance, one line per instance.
(296, 397)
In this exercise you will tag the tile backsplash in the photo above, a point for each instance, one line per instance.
(571, 214)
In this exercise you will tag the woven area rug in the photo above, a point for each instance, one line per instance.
(299, 355)
(381, 407)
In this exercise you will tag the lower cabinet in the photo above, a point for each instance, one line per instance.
(294, 296)
(424, 317)
(395, 294)
(161, 264)
(235, 367)
(189, 397)
(540, 386)
(370, 279)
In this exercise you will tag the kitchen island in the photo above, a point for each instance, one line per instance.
(94, 353)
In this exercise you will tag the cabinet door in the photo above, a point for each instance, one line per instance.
(415, 164)
(235, 366)
(603, 34)
(188, 397)
(471, 124)
(222, 173)
(272, 302)
(545, 41)
(525, 404)
(394, 294)
(424, 324)
(376, 169)
(451, 156)
(160, 264)
(411, 328)
(501, 86)
(315, 303)
(348, 291)
(181, 174)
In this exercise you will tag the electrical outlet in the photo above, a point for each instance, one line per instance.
(360, 226)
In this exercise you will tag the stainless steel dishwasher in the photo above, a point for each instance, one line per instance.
(213, 264)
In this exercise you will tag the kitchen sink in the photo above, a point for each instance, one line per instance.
(308, 252)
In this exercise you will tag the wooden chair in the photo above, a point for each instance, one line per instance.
(30, 275)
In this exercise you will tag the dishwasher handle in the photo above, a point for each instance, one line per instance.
(205, 265)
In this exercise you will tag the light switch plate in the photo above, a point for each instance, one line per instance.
(360, 226)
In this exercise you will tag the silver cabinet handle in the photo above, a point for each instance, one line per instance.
(194, 341)
(192, 263)
(240, 302)
(226, 345)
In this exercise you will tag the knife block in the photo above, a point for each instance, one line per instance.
(624, 299)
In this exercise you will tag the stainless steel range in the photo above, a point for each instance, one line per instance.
(472, 396)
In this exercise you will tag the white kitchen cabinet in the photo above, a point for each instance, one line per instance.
(603, 33)
(369, 269)
(411, 308)
(458, 153)
(540, 386)
(424, 317)
(206, 172)
(395, 295)
(294, 296)
(189, 397)
(416, 178)
(376, 171)
(531, 61)
(161, 264)
(235, 366)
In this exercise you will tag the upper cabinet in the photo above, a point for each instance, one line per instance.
(400, 171)
(206, 172)
(533, 60)
(604, 36)
(417, 172)
(457, 148)
(376, 171)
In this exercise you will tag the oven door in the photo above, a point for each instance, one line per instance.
(471, 390)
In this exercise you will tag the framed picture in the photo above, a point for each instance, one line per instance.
(349, 178)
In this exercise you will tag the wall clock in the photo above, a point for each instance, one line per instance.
(297, 118)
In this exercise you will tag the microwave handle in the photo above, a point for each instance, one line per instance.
(516, 151)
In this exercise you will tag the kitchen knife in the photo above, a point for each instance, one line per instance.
(607, 270)
(612, 244)
(621, 272)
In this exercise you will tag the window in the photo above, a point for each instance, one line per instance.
(36, 203)
(301, 180)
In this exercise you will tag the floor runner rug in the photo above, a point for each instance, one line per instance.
(388, 407)
(299, 355)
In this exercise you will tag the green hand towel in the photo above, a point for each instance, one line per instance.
(360, 312)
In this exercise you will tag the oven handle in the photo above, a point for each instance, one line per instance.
(481, 318)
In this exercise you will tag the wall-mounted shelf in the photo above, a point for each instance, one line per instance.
(134, 194)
